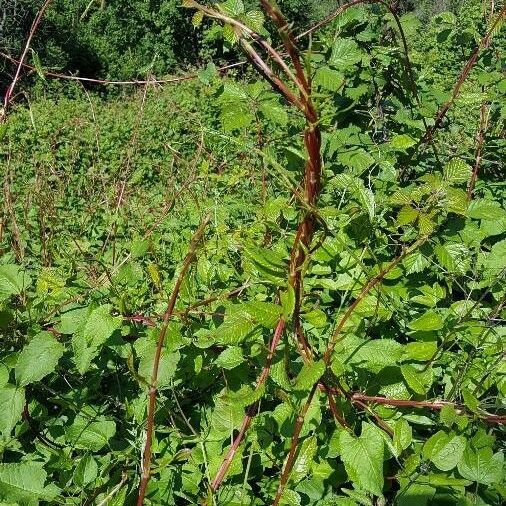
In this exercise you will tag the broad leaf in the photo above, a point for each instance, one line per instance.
(363, 458)
(38, 358)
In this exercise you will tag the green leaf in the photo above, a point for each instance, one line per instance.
(266, 314)
(309, 374)
(233, 7)
(482, 466)
(454, 257)
(90, 433)
(444, 450)
(407, 214)
(377, 354)
(230, 358)
(235, 328)
(86, 471)
(363, 458)
(345, 53)
(420, 351)
(496, 259)
(403, 435)
(288, 302)
(274, 112)
(254, 20)
(427, 322)
(166, 368)
(328, 78)
(482, 209)
(23, 483)
(305, 458)
(38, 358)
(457, 171)
(356, 187)
(91, 334)
(13, 281)
(419, 381)
(12, 401)
(402, 142)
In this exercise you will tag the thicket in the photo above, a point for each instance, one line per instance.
(283, 284)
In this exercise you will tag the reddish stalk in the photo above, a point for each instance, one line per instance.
(327, 356)
(225, 465)
(484, 43)
(480, 141)
(146, 460)
(109, 82)
(33, 29)
(292, 454)
(436, 405)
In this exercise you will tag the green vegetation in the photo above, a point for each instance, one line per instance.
(239, 289)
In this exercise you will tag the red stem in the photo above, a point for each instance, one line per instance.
(225, 465)
(292, 454)
(33, 29)
(146, 460)
(361, 398)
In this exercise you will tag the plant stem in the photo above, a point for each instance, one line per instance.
(292, 454)
(146, 460)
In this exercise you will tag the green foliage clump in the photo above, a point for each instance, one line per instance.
(402, 304)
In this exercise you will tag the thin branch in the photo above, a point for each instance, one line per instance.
(33, 29)
(189, 259)
(435, 405)
(484, 43)
(106, 82)
(327, 357)
(225, 465)
(292, 454)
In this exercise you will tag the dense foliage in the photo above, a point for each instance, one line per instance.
(381, 382)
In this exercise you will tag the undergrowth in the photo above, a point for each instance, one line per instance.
(283, 285)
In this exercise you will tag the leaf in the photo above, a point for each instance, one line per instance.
(197, 18)
(233, 7)
(420, 351)
(457, 171)
(427, 322)
(402, 142)
(377, 354)
(234, 329)
(86, 471)
(345, 53)
(483, 209)
(38, 358)
(274, 112)
(23, 482)
(230, 358)
(288, 302)
(310, 373)
(266, 314)
(454, 257)
(254, 20)
(496, 259)
(403, 435)
(482, 466)
(328, 78)
(91, 334)
(90, 434)
(406, 215)
(363, 458)
(166, 368)
(305, 458)
(444, 450)
(12, 401)
(419, 381)
(13, 281)
(357, 188)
